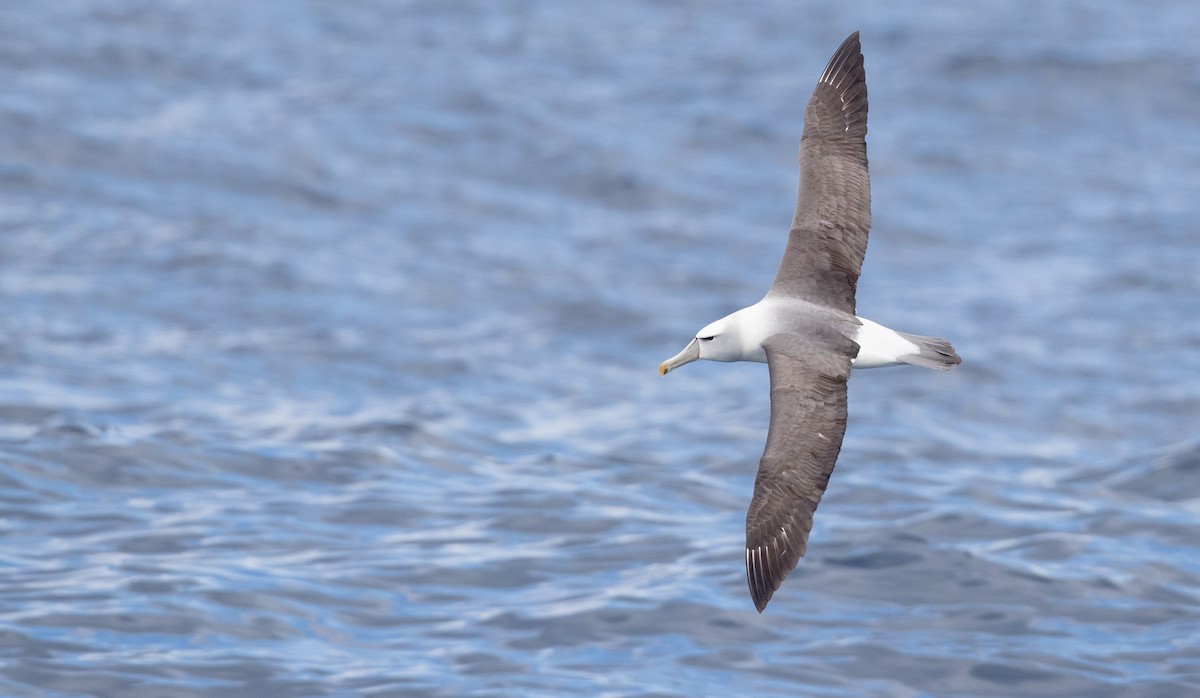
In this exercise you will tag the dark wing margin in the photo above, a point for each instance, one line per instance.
(808, 421)
(828, 238)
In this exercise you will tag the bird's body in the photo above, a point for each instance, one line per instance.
(806, 328)
(749, 327)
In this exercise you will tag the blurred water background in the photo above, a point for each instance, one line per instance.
(329, 335)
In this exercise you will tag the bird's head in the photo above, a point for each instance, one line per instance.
(715, 342)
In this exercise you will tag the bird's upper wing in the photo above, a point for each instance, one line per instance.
(808, 420)
(828, 239)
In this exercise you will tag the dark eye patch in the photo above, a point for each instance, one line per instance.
(705, 339)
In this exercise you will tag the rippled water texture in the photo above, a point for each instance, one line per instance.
(329, 335)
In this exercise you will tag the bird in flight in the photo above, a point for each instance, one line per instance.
(806, 329)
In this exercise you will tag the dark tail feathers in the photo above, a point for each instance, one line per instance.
(934, 352)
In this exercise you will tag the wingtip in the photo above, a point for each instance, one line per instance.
(843, 84)
(850, 45)
(758, 575)
(760, 597)
(847, 58)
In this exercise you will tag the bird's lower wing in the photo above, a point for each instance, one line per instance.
(808, 420)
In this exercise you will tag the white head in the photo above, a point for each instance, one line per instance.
(718, 341)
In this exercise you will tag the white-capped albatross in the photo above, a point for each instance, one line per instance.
(805, 329)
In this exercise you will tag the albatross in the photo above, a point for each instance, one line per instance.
(806, 328)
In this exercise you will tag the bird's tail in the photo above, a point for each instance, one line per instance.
(932, 352)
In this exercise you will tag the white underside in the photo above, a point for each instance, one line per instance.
(739, 337)
(880, 346)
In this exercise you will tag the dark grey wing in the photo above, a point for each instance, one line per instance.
(808, 420)
(828, 239)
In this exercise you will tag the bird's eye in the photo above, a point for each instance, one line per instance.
(705, 339)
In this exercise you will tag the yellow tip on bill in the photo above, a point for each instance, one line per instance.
(662, 369)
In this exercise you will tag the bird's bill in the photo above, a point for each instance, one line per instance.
(689, 354)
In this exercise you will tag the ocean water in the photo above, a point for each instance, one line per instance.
(329, 339)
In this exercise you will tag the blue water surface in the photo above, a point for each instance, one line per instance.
(329, 337)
